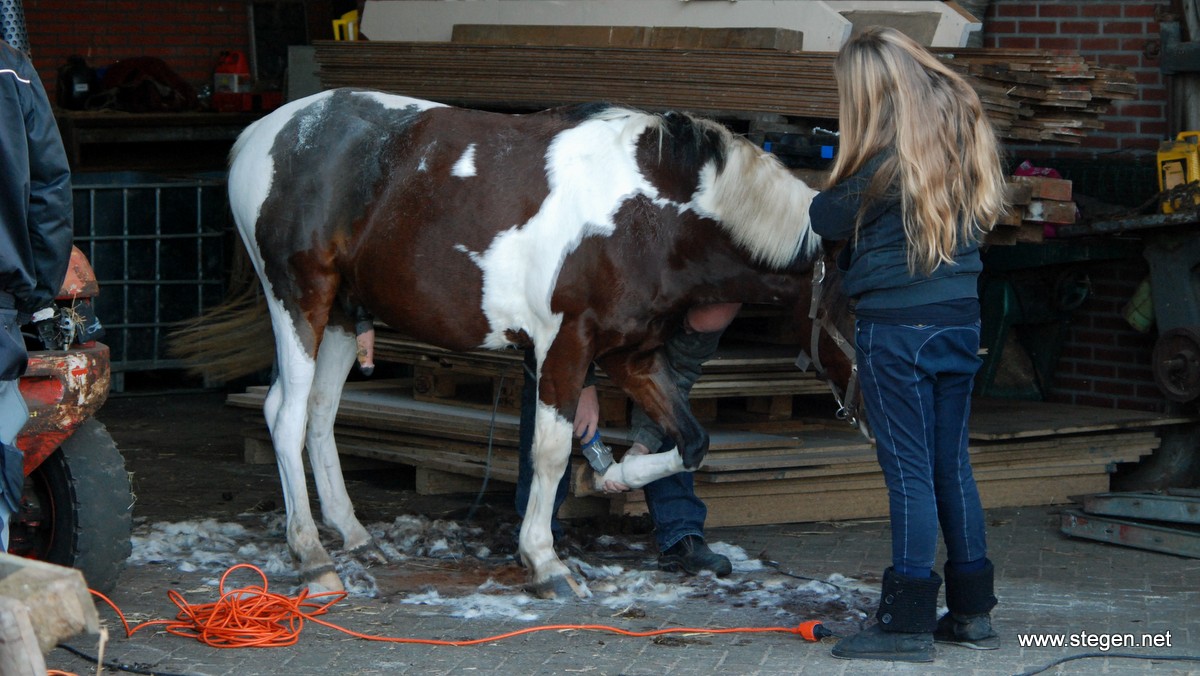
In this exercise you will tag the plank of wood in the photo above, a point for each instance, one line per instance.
(1011, 419)
(665, 37)
(862, 503)
(20, 654)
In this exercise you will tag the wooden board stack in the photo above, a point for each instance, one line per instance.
(1038, 204)
(1032, 95)
(758, 470)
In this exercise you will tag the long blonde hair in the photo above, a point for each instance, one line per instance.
(936, 146)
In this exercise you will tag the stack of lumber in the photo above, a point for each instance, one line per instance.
(755, 379)
(756, 472)
(1036, 204)
(1041, 95)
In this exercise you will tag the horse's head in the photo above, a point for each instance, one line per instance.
(830, 350)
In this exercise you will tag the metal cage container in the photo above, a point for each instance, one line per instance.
(159, 246)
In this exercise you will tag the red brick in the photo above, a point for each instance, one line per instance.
(1055, 42)
(997, 27)
(1101, 142)
(1049, 10)
(1099, 44)
(1117, 388)
(1123, 27)
(1097, 370)
(1038, 27)
(1119, 60)
(1153, 128)
(1147, 77)
(1120, 126)
(1138, 109)
(1007, 9)
(1099, 9)
(1079, 27)
(1143, 9)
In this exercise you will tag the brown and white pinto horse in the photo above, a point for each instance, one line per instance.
(585, 232)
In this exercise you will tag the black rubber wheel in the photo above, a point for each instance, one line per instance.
(77, 509)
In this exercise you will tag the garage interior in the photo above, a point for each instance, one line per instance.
(1085, 438)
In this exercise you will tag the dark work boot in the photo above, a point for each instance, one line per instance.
(907, 616)
(970, 597)
(691, 555)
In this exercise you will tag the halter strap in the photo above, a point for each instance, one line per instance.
(847, 401)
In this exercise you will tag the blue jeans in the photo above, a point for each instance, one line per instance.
(916, 383)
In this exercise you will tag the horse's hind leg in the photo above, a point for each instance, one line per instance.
(334, 359)
(551, 451)
(286, 411)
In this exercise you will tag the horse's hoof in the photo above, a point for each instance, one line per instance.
(322, 580)
(368, 553)
(562, 588)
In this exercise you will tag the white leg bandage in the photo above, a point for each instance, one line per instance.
(636, 471)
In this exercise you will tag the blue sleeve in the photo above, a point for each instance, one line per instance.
(51, 228)
(35, 188)
(833, 211)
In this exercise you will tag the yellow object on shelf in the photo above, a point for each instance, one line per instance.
(346, 28)
(1179, 164)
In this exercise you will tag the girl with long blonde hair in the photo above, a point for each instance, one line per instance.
(916, 185)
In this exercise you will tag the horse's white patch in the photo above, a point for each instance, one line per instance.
(462, 248)
(465, 166)
(591, 170)
(761, 204)
(394, 101)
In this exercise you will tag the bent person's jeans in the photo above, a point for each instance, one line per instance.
(916, 382)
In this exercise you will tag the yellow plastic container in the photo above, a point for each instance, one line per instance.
(346, 28)
(1178, 164)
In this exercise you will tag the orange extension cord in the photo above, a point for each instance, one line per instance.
(255, 617)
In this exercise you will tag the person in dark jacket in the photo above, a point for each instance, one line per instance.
(35, 244)
(916, 184)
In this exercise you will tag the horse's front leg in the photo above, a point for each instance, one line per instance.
(652, 384)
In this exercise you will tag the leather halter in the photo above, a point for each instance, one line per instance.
(848, 400)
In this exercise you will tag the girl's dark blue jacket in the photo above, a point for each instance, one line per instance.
(875, 265)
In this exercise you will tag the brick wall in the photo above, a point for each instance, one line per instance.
(1106, 32)
(1105, 362)
(187, 35)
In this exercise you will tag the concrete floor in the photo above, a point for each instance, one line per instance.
(185, 454)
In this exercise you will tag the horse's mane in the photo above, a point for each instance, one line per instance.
(762, 206)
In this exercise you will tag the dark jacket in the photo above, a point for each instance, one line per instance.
(875, 266)
(35, 190)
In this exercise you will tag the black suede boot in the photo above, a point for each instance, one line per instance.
(692, 556)
(970, 597)
(907, 616)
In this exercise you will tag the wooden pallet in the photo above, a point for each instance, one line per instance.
(760, 472)
(747, 380)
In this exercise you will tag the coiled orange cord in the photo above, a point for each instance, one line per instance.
(255, 617)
